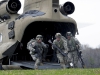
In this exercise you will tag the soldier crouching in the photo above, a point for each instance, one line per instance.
(36, 47)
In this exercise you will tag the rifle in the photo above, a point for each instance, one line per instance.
(79, 55)
(80, 58)
(64, 54)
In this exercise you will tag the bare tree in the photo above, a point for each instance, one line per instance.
(91, 56)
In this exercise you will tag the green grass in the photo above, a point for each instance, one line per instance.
(52, 72)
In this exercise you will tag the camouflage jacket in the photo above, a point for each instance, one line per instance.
(61, 44)
(31, 46)
(73, 43)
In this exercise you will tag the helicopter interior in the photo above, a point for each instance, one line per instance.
(47, 30)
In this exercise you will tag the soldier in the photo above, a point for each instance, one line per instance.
(73, 45)
(59, 42)
(36, 48)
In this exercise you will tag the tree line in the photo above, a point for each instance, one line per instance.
(91, 57)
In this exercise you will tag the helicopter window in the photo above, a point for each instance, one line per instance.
(3, 18)
(32, 13)
(11, 25)
(55, 3)
(11, 34)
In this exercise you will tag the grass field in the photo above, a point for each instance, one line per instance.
(52, 72)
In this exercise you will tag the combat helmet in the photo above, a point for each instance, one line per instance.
(68, 34)
(39, 37)
(58, 35)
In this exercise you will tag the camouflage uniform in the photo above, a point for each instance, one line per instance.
(32, 44)
(73, 44)
(63, 46)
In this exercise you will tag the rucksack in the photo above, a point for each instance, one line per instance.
(30, 43)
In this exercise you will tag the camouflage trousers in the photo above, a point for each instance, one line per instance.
(45, 53)
(73, 58)
(38, 61)
(62, 60)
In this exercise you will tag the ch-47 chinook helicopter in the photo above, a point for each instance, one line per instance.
(45, 17)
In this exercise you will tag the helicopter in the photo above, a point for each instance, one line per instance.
(45, 17)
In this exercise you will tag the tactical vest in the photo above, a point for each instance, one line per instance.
(40, 47)
(60, 44)
(71, 43)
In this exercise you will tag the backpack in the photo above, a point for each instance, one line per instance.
(30, 43)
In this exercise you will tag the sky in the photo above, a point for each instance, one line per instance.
(87, 16)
